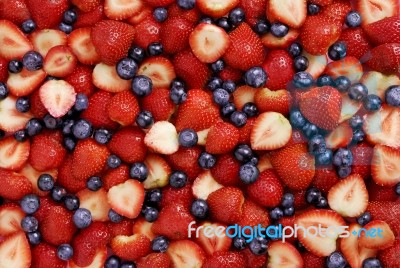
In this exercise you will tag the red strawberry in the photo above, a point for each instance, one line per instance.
(33, 175)
(383, 241)
(10, 219)
(272, 42)
(273, 101)
(192, 15)
(172, 196)
(356, 42)
(14, 251)
(96, 202)
(96, 113)
(291, 13)
(159, 104)
(390, 256)
(243, 95)
(197, 112)
(222, 138)
(25, 82)
(48, 13)
(300, 199)
(372, 11)
(312, 261)
(117, 10)
(281, 253)
(254, 10)
(60, 61)
(204, 185)
(386, 211)
(186, 253)
(337, 11)
(146, 32)
(173, 221)
(66, 178)
(216, 8)
(13, 43)
(384, 31)
(160, 260)
(88, 158)
(340, 137)
(226, 170)
(158, 3)
(141, 226)
(225, 259)
(81, 80)
(97, 259)
(81, 45)
(86, 5)
(362, 156)
(267, 190)
(322, 106)
(15, 186)
(254, 260)
(126, 138)
(197, 75)
(245, 131)
(321, 2)
(131, 247)
(57, 227)
(45, 255)
(294, 161)
(229, 73)
(159, 69)
(159, 171)
(124, 227)
(3, 69)
(46, 39)
(13, 154)
(384, 58)
(57, 96)
(112, 40)
(253, 215)
(245, 50)
(105, 77)
(15, 11)
(123, 108)
(45, 204)
(213, 244)
(174, 34)
(90, 18)
(185, 159)
(384, 168)
(380, 193)
(325, 178)
(217, 202)
(37, 107)
(279, 66)
(115, 176)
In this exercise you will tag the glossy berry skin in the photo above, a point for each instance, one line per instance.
(28, 26)
(69, 143)
(23, 104)
(324, 158)
(142, 86)
(150, 214)
(214, 83)
(82, 129)
(342, 83)
(32, 61)
(199, 209)
(313, 195)
(287, 200)
(322, 202)
(67, 126)
(71, 202)
(144, 119)
(238, 118)
(3, 91)
(295, 50)
(58, 193)
(255, 77)
(178, 94)
(258, 246)
(126, 68)
(160, 14)
(217, 66)
(29, 224)
(317, 145)
(248, 173)
(243, 153)
(302, 80)
(33, 127)
(66, 28)
(30, 203)
(356, 122)
(112, 261)
(206, 160)
(325, 80)
(221, 96)
(296, 119)
(160, 244)
(239, 243)
(343, 157)
(337, 51)
(224, 23)
(364, 218)
(288, 212)
(186, 4)
(276, 213)
(81, 102)
(358, 136)
(21, 135)
(137, 54)
(353, 19)
(102, 136)
(155, 49)
(187, 138)
(51, 123)
(344, 171)
(177, 179)
(34, 238)
(313, 9)
(82, 218)
(113, 161)
(94, 183)
(250, 109)
(310, 130)
(358, 92)
(114, 216)
(70, 16)
(279, 29)
(45, 182)
(65, 252)
(262, 27)
(15, 66)
(300, 63)
(372, 102)
(229, 86)
(236, 16)
(138, 171)
(336, 260)
(153, 196)
(227, 110)
(392, 96)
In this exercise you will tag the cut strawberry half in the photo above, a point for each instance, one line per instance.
(340, 136)
(243, 95)
(95, 202)
(106, 78)
(204, 185)
(349, 197)
(141, 226)
(186, 253)
(81, 44)
(162, 138)
(33, 175)
(132, 247)
(213, 243)
(15, 251)
(375, 10)
(382, 240)
(159, 69)
(57, 96)
(44, 40)
(385, 169)
(316, 64)
(13, 154)
(289, 12)
(349, 67)
(349, 107)
(271, 41)
(11, 119)
(25, 82)
(158, 172)
(283, 254)
(208, 42)
(377, 83)
(13, 43)
(60, 61)
(127, 198)
(216, 8)
(121, 9)
(10, 219)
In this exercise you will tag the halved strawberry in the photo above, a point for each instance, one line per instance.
(141, 226)
(13, 154)
(57, 96)
(95, 202)
(159, 69)
(10, 219)
(120, 9)
(384, 239)
(25, 82)
(213, 243)
(33, 175)
(10, 118)
(349, 67)
(374, 10)
(204, 185)
(208, 42)
(243, 95)
(46, 39)
(98, 260)
(81, 44)
(273, 101)
(216, 8)
(272, 42)
(319, 245)
(123, 108)
(13, 43)
(385, 170)
(222, 138)
(377, 83)
(131, 247)
(60, 61)
(267, 190)
(159, 172)
(162, 138)
(340, 136)
(349, 107)
(105, 77)
(316, 64)
(291, 13)
(271, 131)
(15, 252)
(127, 198)
(186, 253)
(384, 58)
(279, 66)
(349, 197)
(283, 255)
(217, 201)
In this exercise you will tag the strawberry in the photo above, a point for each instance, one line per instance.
(390, 257)
(124, 227)
(272, 42)
(384, 58)
(319, 245)
(48, 13)
(337, 11)
(173, 221)
(356, 42)
(316, 64)
(217, 203)
(245, 131)
(159, 69)
(212, 244)
(380, 193)
(66, 179)
(81, 80)
(25, 82)
(10, 219)
(131, 247)
(386, 211)
(120, 10)
(112, 39)
(88, 158)
(145, 13)
(243, 95)
(254, 260)
(13, 154)
(204, 185)
(281, 253)
(294, 161)
(33, 176)
(383, 241)
(57, 227)
(267, 190)
(123, 108)
(254, 10)
(300, 199)
(321, 106)
(291, 13)
(270, 131)
(141, 226)
(312, 261)
(45, 255)
(325, 178)
(197, 75)
(318, 34)
(158, 3)
(245, 50)
(162, 138)
(384, 170)
(192, 15)
(127, 198)
(229, 73)
(377, 83)
(279, 66)
(222, 138)
(46, 39)
(372, 11)
(96, 260)
(115, 176)
(86, 5)
(174, 34)
(273, 101)
(297, 137)
(349, 67)
(225, 259)
(226, 170)
(3, 69)
(60, 61)
(106, 78)
(321, 2)
(82, 47)
(57, 96)
(216, 8)
(159, 171)
(339, 137)
(14, 251)
(172, 196)
(185, 159)
(160, 260)
(383, 31)
(15, 185)
(147, 31)
(253, 215)
(90, 18)
(13, 43)
(96, 113)
(197, 112)
(95, 202)
(16, 11)
(186, 253)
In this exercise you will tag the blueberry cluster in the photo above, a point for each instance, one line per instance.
(69, 18)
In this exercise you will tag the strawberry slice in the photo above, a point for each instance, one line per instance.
(10, 118)
(159, 69)
(291, 13)
(204, 185)
(154, 260)
(383, 31)
(273, 101)
(283, 255)
(15, 251)
(127, 198)
(10, 219)
(385, 170)
(384, 239)
(340, 136)
(272, 42)
(131, 247)
(271, 131)
(121, 9)
(33, 175)
(377, 83)
(384, 58)
(316, 64)
(25, 82)
(186, 253)
(44, 40)
(96, 202)
(216, 8)
(243, 95)
(319, 245)
(349, 197)
(13, 43)
(375, 10)
(81, 44)
(208, 42)
(60, 61)
(57, 96)
(349, 107)
(105, 77)
(212, 244)
(159, 171)
(13, 154)
(86, 5)
(162, 138)
(349, 67)
(141, 226)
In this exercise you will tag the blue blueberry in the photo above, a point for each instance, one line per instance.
(250, 109)
(82, 218)
(353, 19)
(186, 4)
(358, 135)
(160, 14)
(45, 182)
(300, 63)
(221, 96)
(287, 200)
(30, 203)
(71, 202)
(112, 261)
(313, 9)
(94, 183)
(229, 86)
(29, 224)
(82, 129)
(34, 238)
(113, 161)
(295, 50)
(177, 83)
(288, 212)
(128, 264)
(144, 119)
(33, 127)
(58, 193)
(356, 122)
(160, 244)
(322, 202)
(372, 263)
(153, 196)
(126, 68)
(227, 110)
(392, 96)
(21, 135)
(313, 195)
(310, 130)
(317, 145)
(259, 245)
(255, 77)
(51, 122)
(15, 66)
(224, 23)
(199, 209)
(218, 66)
(178, 94)
(150, 214)
(239, 242)
(23, 104)
(344, 171)
(238, 118)
(248, 173)
(397, 188)
(296, 119)
(137, 54)
(32, 61)
(69, 143)
(336, 260)
(364, 218)
(214, 83)
(337, 51)
(67, 126)
(262, 27)
(178, 179)
(188, 137)
(114, 216)
(324, 158)
(28, 26)
(206, 160)
(358, 92)
(142, 86)
(276, 213)
(243, 153)
(325, 80)
(66, 28)
(279, 29)
(155, 49)
(65, 252)
(138, 171)
(102, 136)
(81, 102)
(3, 91)
(302, 80)
(207, 20)
(343, 157)
(236, 16)
(70, 16)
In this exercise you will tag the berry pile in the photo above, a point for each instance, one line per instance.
(125, 124)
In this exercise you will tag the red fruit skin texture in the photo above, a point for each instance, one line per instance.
(386, 211)
(66, 178)
(174, 34)
(96, 113)
(253, 215)
(279, 66)
(185, 159)
(81, 80)
(3, 68)
(128, 144)
(222, 138)
(390, 257)
(362, 156)
(384, 31)
(384, 58)
(267, 190)
(90, 18)
(160, 260)
(45, 255)
(37, 107)
(159, 104)
(226, 170)
(14, 185)
(182, 196)
(324, 178)
(356, 42)
(115, 176)
(225, 259)
(146, 32)
(47, 13)
(254, 10)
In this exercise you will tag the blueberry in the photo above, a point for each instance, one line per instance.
(325, 80)
(322, 202)
(243, 153)
(300, 63)
(28, 26)
(313, 195)
(372, 263)
(82, 129)
(71, 202)
(287, 200)
(218, 66)
(144, 119)
(343, 157)
(343, 171)
(177, 83)
(178, 179)
(155, 49)
(3, 91)
(255, 77)
(29, 224)
(66, 28)
(45, 182)
(342, 83)
(187, 137)
(137, 54)
(69, 143)
(364, 218)
(239, 242)
(186, 4)
(70, 16)
(114, 216)
(336, 260)
(154, 196)
(128, 264)
(34, 238)
(276, 213)
(126, 68)
(224, 23)
(397, 188)
(207, 20)
(2, 134)
(358, 136)
(112, 261)
(32, 61)
(206, 160)
(113, 161)
(67, 126)
(82, 218)
(296, 119)
(221, 96)
(250, 109)
(279, 29)
(302, 80)
(138, 171)
(23, 104)
(358, 92)
(51, 122)
(199, 209)
(94, 183)
(33, 127)
(58, 193)
(142, 86)
(102, 136)
(238, 118)
(229, 86)
(288, 212)
(262, 27)
(353, 19)
(150, 214)
(392, 96)
(236, 16)
(30, 203)
(259, 245)
(227, 110)
(248, 173)
(160, 244)
(356, 122)
(337, 51)
(310, 130)
(295, 50)
(317, 145)
(65, 252)
(313, 9)
(324, 158)
(81, 102)
(372, 102)
(15, 66)
(178, 94)
(160, 14)
(214, 83)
